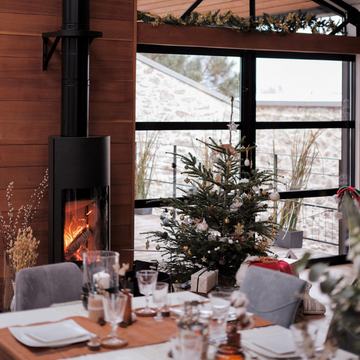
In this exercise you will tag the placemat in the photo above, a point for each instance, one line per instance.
(145, 331)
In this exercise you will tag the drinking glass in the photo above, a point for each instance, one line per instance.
(114, 306)
(220, 305)
(159, 298)
(304, 336)
(147, 281)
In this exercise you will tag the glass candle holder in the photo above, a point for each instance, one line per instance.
(99, 273)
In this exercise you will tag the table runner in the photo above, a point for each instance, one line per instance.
(145, 331)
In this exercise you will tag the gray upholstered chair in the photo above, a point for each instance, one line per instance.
(41, 286)
(272, 295)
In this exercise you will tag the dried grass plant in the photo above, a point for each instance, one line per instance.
(16, 231)
(303, 155)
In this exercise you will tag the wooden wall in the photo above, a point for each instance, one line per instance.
(30, 106)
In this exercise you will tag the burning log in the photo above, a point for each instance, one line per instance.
(80, 240)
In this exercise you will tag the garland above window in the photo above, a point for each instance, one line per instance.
(263, 24)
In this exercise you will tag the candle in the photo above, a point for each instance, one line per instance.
(102, 279)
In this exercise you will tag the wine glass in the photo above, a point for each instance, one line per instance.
(114, 306)
(147, 281)
(220, 305)
(159, 298)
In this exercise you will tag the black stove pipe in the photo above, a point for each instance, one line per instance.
(75, 69)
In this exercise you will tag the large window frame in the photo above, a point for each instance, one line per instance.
(249, 127)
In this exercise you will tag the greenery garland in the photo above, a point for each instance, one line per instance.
(265, 24)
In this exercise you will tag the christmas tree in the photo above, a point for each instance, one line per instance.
(215, 225)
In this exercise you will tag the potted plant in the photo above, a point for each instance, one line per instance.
(303, 155)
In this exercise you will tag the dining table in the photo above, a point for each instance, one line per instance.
(11, 349)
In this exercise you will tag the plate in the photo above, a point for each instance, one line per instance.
(50, 335)
(280, 345)
(262, 351)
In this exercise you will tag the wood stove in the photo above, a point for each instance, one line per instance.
(79, 164)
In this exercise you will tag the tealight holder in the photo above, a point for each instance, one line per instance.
(99, 273)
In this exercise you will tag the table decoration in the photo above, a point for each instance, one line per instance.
(304, 336)
(121, 271)
(99, 274)
(147, 282)
(114, 306)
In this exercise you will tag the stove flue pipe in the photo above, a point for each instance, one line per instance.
(76, 39)
(75, 69)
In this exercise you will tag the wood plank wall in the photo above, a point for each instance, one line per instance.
(30, 107)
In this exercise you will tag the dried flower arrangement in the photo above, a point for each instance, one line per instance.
(18, 242)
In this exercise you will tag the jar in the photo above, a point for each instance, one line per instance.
(231, 350)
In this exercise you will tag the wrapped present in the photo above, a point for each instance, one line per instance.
(204, 280)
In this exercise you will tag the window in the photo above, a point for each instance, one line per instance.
(284, 102)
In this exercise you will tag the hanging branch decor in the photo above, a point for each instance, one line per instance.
(265, 24)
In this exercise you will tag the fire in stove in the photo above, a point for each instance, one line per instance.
(80, 229)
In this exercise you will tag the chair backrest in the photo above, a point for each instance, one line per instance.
(41, 286)
(273, 296)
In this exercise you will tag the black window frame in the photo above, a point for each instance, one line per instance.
(248, 111)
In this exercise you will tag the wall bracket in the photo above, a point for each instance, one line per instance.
(60, 34)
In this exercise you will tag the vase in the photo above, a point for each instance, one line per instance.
(12, 305)
(128, 308)
(231, 350)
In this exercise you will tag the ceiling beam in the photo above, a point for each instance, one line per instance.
(193, 36)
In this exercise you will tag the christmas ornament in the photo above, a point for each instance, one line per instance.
(186, 248)
(232, 126)
(228, 163)
(186, 167)
(239, 229)
(202, 186)
(204, 259)
(251, 233)
(222, 261)
(237, 201)
(270, 218)
(147, 244)
(263, 192)
(165, 235)
(171, 212)
(249, 196)
(187, 180)
(189, 252)
(157, 247)
(247, 161)
(233, 208)
(230, 241)
(275, 196)
(182, 217)
(212, 237)
(183, 228)
(243, 195)
(202, 226)
(227, 220)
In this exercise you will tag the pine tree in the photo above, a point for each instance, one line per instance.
(215, 225)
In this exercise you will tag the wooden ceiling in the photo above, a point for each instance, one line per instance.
(240, 7)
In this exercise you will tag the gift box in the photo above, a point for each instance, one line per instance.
(204, 280)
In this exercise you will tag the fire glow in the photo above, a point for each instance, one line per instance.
(77, 232)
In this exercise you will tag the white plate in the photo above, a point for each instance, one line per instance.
(262, 351)
(279, 345)
(50, 335)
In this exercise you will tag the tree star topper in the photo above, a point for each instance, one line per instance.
(232, 126)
